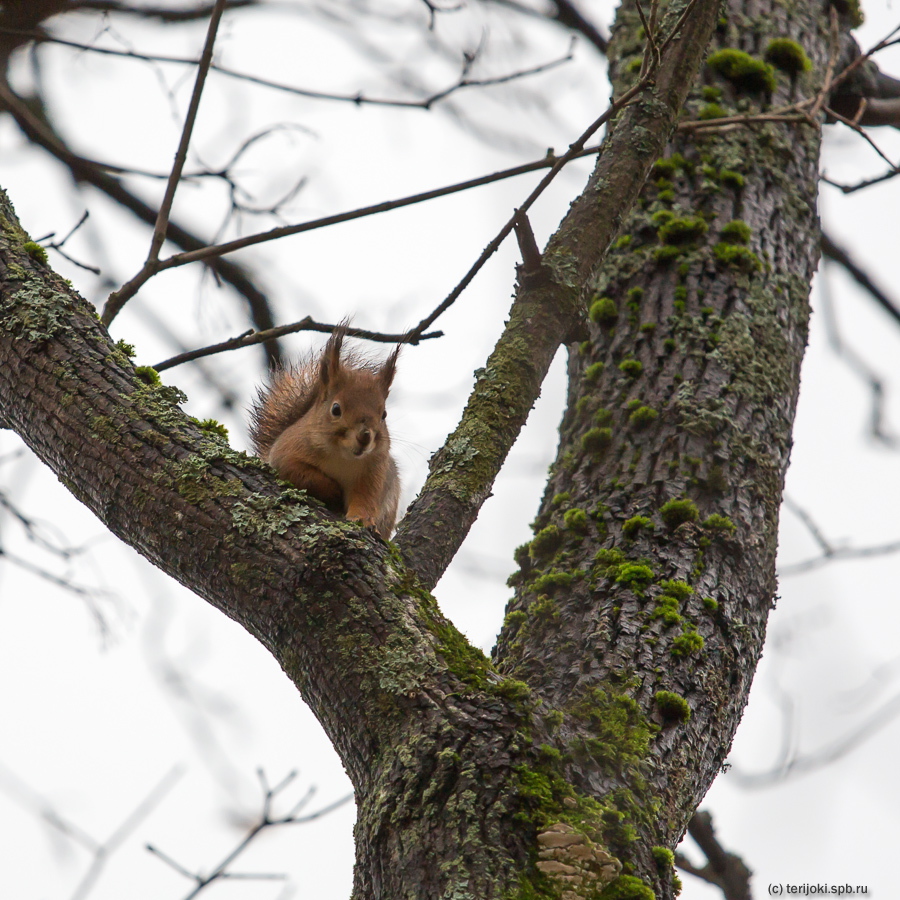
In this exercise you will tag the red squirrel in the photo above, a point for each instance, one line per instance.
(321, 425)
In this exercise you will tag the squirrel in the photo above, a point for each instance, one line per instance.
(321, 425)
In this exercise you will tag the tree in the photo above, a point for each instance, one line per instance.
(573, 761)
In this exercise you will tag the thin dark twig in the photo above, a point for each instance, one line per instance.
(203, 253)
(357, 99)
(118, 298)
(249, 338)
(265, 821)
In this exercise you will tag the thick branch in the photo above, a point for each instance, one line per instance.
(463, 471)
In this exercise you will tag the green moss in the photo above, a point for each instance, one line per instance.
(686, 643)
(710, 93)
(852, 9)
(664, 857)
(125, 349)
(737, 232)
(148, 375)
(560, 499)
(604, 312)
(669, 345)
(668, 609)
(214, 427)
(546, 542)
(603, 416)
(712, 111)
(681, 230)
(576, 520)
(35, 251)
(631, 527)
(674, 708)
(711, 604)
(745, 72)
(631, 367)
(550, 580)
(544, 607)
(513, 690)
(666, 196)
(627, 887)
(515, 619)
(788, 56)
(596, 439)
(678, 589)
(609, 559)
(623, 242)
(731, 179)
(634, 573)
(592, 372)
(667, 253)
(664, 168)
(716, 522)
(643, 416)
(677, 512)
(737, 256)
(648, 327)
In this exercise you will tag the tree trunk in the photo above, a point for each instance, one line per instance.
(570, 766)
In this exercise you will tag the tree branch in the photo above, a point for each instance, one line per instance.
(723, 869)
(119, 298)
(463, 471)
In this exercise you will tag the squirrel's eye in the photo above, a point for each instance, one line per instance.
(335, 409)
(383, 415)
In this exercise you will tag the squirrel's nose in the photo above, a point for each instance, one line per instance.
(364, 437)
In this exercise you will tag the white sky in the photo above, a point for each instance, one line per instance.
(93, 725)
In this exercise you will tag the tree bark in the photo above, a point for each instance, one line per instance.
(570, 766)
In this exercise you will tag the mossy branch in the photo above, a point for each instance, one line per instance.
(545, 315)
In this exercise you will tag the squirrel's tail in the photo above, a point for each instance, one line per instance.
(287, 399)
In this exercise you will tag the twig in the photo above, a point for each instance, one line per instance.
(119, 298)
(213, 250)
(818, 759)
(858, 129)
(248, 338)
(575, 149)
(265, 821)
(87, 171)
(357, 99)
(839, 255)
(850, 188)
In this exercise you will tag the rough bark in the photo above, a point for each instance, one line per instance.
(571, 767)
(652, 566)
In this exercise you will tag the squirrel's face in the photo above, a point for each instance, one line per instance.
(357, 418)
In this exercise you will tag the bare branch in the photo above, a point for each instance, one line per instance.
(265, 821)
(542, 318)
(839, 255)
(859, 365)
(356, 98)
(163, 13)
(249, 338)
(723, 869)
(119, 298)
(818, 759)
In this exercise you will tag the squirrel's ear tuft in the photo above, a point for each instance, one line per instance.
(388, 368)
(330, 361)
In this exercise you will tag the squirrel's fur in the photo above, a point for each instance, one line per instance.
(321, 425)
